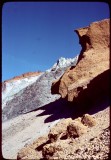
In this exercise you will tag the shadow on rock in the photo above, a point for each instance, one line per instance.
(40, 147)
(96, 96)
(91, 100)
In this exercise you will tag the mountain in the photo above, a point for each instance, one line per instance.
(62, 113)
(14, 85)
(64, 62)
(26, 93)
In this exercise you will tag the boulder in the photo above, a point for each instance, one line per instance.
(76, 129)
(59, 130)
(50, 149)
(88, 120)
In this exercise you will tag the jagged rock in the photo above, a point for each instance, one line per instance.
(76, 129)
(49, 150)
(88, 120)
(59, 130)
(93, 61)
(64, 62)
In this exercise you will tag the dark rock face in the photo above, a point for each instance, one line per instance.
(97, 90)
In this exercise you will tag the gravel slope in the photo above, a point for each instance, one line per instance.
(22, 130)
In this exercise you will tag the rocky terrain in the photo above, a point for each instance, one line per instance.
(26, 95)
(73, 139)
(64, 113)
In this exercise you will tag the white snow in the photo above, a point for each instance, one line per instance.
(15, 86)
(63, 62)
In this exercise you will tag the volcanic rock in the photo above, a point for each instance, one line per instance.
(93, 62)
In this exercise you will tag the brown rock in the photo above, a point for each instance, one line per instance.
(93, 61)
(49, 149)
(27, 153)
(59, 130)
(76, 129)
(33, 151)
(88, 120)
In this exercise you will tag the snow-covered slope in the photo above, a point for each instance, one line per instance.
(29, 94)
(12, 87)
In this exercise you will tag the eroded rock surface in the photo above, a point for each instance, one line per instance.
(93, 61)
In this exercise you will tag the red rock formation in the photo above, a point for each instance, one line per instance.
(93, 61)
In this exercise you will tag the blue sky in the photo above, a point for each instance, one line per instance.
(36, 34)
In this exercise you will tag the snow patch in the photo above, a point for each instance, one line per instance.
(15, 86)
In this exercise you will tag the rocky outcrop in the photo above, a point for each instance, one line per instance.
(93, 62)
(59, 130)
(88, 120)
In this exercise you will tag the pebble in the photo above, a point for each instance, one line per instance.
(97, 148)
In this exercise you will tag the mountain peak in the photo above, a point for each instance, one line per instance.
(63, 62)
